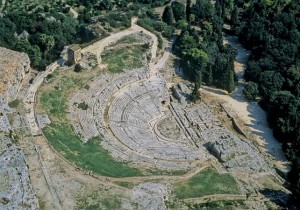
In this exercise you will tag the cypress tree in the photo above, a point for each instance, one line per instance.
(188, 10)
(168, 16)
(178, 10)
(235, 17)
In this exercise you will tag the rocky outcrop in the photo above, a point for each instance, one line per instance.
(147, 196)
(16, 191)
(13, 66)
(237, 155)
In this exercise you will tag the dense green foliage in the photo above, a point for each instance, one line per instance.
(202, 54)
(51, 26)
(270, 29)
(251, 90)
(178, 11)
(47, 35)
(168, 16)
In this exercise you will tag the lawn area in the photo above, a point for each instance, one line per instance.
(124, 58)
(208, 182)
(89, 156)
(54, 102)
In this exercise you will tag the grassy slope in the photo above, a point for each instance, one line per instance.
(90, 156)
(124, 58)
(208, 182)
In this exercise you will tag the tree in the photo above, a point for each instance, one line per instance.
(251, 90)
(229, 78)
(7, 30)
(198, 60)
(188, 10)
(185, 42)
(47, 42)
(235, 17)
(178, 10)
(218, 8)
(270, 81)
(203, 10)
(33, 51)
(106, 4)
(182, 24)
(195, 95)
(167, 16)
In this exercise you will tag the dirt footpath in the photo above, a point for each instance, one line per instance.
(250, 112)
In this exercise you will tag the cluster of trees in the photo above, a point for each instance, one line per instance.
(200, 47)
(49, 31)
(175, 15)
(47, 35)
(270, 29)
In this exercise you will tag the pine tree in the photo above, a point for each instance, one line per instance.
(168, 16)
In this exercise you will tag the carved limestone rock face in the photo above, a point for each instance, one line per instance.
(16, 191)
(13, 66)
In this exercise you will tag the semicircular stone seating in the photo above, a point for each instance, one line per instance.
(123, 108)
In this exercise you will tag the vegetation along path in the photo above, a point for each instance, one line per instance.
(250, 112)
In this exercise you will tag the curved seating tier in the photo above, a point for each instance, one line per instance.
(121, 108)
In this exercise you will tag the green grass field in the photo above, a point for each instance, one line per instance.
(89, 156)
(54, 102)
(124, 58)
(208, 182)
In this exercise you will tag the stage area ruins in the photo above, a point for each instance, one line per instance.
(142, 120)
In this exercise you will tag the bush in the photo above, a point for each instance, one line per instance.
(182, 24)
(154, 25)
(77, 68)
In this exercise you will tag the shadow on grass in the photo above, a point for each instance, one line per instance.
(89, 156)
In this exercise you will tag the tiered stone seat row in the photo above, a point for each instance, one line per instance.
(96, 97)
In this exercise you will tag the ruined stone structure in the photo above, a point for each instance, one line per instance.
(74, 54)
(128, 119)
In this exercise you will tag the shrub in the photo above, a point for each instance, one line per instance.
(77, 68)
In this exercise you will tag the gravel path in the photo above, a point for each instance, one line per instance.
(98, 47)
